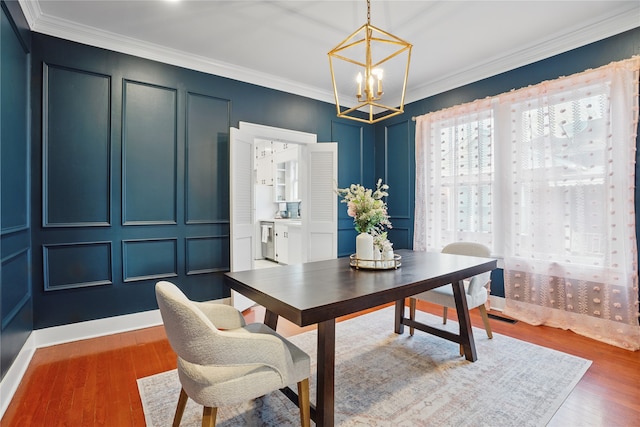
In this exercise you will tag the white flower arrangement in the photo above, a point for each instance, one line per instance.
(369, 211)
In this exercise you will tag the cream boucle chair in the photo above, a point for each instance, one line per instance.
(223, 361)
(475, 288)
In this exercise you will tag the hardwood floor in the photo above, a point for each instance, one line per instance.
(93, 382)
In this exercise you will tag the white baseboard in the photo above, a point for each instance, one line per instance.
(96, 328)
(12, 378)
(497, 303)
(46, 337)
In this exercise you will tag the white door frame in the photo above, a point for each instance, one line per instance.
(242, 257)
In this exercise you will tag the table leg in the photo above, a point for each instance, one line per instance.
(271, 319)
(399, 326)
(466, 332)
(326, 368)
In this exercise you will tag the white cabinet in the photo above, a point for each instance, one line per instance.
(282, 242)
(288, 242)
(280, 182)
(294, 237)
(285, 187)
(263, 162)
(264, 171)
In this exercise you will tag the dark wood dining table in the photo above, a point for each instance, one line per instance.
(320, 292)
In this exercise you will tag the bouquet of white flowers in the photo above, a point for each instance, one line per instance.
(366, 207)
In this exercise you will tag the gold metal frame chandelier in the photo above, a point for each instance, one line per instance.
(358, 69)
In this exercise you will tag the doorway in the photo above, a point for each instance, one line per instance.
(317, 177)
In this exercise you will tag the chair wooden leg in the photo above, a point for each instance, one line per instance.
(412, 313)
(445, 311)
(485, 319)
(209, 416)
(304, 403)
(182, 402)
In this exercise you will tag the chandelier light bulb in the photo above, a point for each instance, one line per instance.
(378, 73)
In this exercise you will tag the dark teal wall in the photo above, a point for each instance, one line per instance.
(130, 176)
(16, 308)
(395, 138)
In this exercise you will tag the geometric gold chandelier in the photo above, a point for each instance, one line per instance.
(359, 64)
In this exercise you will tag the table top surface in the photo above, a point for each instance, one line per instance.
(318, 291)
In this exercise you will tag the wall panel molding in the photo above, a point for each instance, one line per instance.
(351, 146)
(13, 230)
(76, 145)
(148, 259)
(398, 167)
(15, 159)
(77, 265)
(206, 254)
(149, 154)
(206, 159)
(399, 236)
(15, 284)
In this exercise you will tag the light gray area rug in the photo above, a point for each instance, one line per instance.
(385, 379)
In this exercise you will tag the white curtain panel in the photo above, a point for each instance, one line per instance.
(545, 176)
(454, 176)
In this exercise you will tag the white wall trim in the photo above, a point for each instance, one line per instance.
(12, 378)
(496, 303)
(46, 337)
(277, 134)
(96, 328)
(617, 21)
(68, 30)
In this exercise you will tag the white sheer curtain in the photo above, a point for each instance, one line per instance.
(561, 180)
(570, 247)
(454, 176)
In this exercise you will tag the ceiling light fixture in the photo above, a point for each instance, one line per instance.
(358, 70)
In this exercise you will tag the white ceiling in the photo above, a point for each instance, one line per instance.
(284, 44)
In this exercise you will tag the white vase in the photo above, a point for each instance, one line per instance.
(377, 257)
(364, 246)
(388, 257)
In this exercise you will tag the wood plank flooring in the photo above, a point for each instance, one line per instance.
(93, 382)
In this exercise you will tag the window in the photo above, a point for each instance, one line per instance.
(545, 177)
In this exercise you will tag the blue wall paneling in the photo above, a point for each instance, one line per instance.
(355, 159)
(207, 151)
(16, 308)
(149, 154)
(396, 165)
(158, 163)
(76, 148)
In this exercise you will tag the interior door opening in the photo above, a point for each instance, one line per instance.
(303, 209)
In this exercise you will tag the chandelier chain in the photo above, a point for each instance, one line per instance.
(368, 11)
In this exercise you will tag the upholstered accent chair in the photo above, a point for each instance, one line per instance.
(223, 361)
(475, 288)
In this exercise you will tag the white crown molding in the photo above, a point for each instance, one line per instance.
(73, 31)
(31, 11)
(617, 22)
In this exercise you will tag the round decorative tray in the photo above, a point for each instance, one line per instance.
(375, 264)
